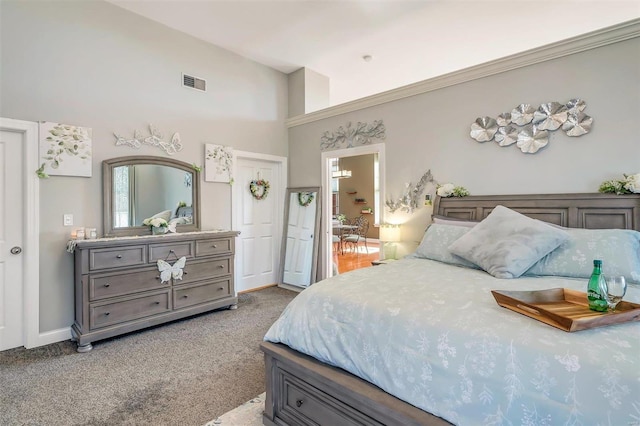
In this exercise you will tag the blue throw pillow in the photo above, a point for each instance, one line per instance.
(619, 250)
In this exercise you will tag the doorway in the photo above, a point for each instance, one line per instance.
(19, 245)
(352, 198)
(259, 221)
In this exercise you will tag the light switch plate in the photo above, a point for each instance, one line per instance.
(67, 219)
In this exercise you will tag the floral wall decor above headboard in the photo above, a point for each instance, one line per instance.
(155, 139)
(361, 134)
(529, 127)
(410, 200)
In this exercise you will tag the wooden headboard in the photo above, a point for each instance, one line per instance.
(592, 211)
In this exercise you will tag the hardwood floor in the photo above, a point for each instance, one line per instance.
(356, 259)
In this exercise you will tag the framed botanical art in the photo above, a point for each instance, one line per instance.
(65, 150)
(218, 162)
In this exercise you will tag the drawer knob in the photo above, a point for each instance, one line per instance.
(215, 246)
(185, 296)
(184, 272)
(171, 251)
(299, 403)
(220, 266)
(220, 288)
(157, 277)
(107, 285)
(107, 313)
(119, 256)
(156, 303)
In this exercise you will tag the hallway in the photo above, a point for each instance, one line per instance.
(351, 260)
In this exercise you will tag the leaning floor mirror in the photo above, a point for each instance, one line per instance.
(299, 253)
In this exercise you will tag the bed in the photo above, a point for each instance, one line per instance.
(421, 341)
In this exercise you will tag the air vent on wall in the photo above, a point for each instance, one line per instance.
(194, 82)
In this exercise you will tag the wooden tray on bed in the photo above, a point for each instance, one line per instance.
(565, 309)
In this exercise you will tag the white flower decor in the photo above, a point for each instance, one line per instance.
(158, 225)
(450, 190)
(632, 183)
(629, 185)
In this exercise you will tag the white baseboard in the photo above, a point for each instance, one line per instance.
(52, 336)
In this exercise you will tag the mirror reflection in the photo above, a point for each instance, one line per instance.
(142, 187)
(300, 242)
(144, 191)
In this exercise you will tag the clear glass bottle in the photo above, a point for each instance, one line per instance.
(597, 302)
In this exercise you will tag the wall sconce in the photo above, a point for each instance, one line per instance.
(389, 234)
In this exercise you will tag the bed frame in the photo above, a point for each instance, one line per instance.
(304, 391)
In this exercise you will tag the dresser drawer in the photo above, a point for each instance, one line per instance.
(121, 283)
(200, 293)
(117, 257)
(198, 271)
(213, 246)
(304, 404)
(168, 250)
(128, 310)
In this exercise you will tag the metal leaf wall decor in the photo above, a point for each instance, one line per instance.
(411, 198)
(360, 134)
(528, 127)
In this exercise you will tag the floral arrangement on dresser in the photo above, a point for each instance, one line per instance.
(629, 185)
(451, 190)
(158, 225)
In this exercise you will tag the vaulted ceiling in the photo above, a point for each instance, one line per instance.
(408, 41)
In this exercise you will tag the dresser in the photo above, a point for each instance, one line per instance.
(119, 287)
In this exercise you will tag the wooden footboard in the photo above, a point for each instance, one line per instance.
(303, 391)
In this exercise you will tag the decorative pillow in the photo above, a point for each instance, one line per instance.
(619, 250)
(443, 220)
(164, 215)
(506, 243)
(435, 242)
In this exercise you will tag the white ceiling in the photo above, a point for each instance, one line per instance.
(409, 41)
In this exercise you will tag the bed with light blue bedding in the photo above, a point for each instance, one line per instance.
(432, 334)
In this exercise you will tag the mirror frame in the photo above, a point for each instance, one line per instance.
(107, 193)
(316, 240)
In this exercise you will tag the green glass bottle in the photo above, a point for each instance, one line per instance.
(597, 301)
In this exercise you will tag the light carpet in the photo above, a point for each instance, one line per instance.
(248, 414)
(183, 373)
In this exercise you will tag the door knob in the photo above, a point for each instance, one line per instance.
(16, 250)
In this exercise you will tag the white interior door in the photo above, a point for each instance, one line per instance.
(300, 238)
(11, 239)
(259, 223)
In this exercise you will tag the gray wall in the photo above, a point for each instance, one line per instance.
(93, 64)
(431, 131)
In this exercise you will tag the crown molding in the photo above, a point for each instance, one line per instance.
(581, 43)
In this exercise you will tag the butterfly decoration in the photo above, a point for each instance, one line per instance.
(174, 271)
(154, 139)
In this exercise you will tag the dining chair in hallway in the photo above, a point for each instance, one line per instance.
(360, 234)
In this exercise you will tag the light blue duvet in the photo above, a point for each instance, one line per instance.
(432, 335)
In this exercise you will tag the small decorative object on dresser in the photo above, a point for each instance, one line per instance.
(118, 285)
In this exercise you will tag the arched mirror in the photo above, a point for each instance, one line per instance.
(299, 257)
(139, 187)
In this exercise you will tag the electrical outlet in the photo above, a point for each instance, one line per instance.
(67, 219)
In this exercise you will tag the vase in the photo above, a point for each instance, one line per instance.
(158, 230)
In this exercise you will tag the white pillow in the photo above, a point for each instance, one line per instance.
(164, 215)
(507, 243)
